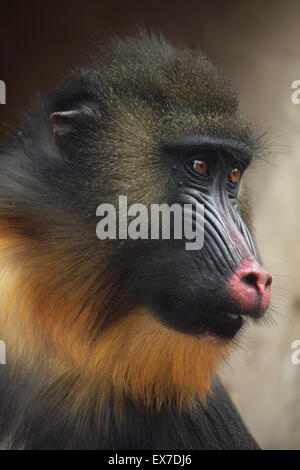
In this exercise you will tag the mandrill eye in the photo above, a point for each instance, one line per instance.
(200, 167)
(235, 175)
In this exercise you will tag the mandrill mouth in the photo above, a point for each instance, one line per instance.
(221, 325)
(233, 316)
(214, 306)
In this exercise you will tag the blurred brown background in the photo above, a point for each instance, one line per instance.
(257, 43)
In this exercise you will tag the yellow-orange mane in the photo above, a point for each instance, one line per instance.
(48, 326)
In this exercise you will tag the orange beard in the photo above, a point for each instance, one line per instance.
(46, 328)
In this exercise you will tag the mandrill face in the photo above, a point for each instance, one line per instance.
(211, 290)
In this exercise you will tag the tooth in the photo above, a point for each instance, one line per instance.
(233, 316)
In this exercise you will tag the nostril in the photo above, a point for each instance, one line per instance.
(269, 281)
(251, 279)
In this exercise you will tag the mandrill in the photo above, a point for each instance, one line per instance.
(116, 343)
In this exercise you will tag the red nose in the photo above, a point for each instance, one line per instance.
(250, 287)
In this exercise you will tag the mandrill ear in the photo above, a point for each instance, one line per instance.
(65, 124)
(71, 128)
